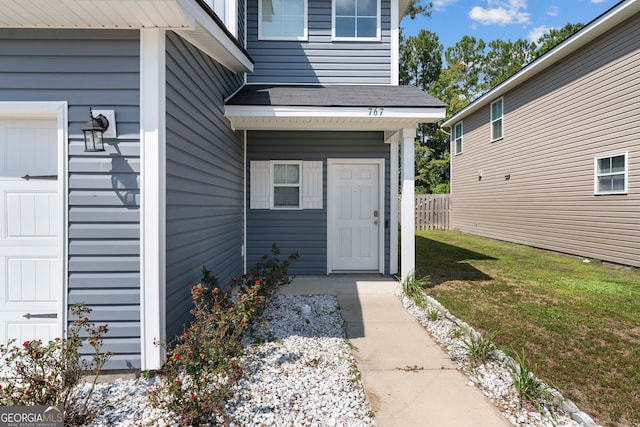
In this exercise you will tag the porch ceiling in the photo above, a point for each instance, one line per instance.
(93, 14)
(339, 107)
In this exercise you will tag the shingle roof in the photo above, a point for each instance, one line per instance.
(334, 96)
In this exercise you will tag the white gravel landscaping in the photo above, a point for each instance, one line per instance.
(300, 372)
(302, 375)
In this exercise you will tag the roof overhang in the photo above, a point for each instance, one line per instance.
(605, 22)
(329, 118)
(192, 19)
(332, 107)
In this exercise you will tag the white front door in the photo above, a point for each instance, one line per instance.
(355, 215)
(30, 225)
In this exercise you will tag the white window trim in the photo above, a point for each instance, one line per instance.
(456, 136)
(298, 185)
(491, 120)
(304, 37)
(596, 175)
(363, 39)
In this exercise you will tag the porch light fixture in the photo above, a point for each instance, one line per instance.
(94, 132)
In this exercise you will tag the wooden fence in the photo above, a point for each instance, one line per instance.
(432, 211)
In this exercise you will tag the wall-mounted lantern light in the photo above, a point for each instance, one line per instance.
(94, 132)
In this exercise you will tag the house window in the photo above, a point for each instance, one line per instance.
(356, 19)
(611, 174)
(286, 184)
(457, 135)
(282, 19)
(496, 119)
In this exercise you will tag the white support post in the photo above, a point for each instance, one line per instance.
(393, 221)
(152, 201)
(408, 216)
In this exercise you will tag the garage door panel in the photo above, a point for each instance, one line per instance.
(20, 140)
(35, 276)
(30, 215)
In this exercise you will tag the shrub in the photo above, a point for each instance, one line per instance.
(205, 362)
(479, 347)
(414, 289)
(529, 387)
(35, 373)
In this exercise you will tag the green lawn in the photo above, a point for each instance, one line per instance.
(579, 323)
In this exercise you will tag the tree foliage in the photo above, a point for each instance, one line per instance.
(553, 37)
(417, 7)
(457, 76)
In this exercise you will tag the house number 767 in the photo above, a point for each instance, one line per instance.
(375, 111)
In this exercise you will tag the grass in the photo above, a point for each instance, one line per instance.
(579, 323)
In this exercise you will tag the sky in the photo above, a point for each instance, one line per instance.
(502, 19)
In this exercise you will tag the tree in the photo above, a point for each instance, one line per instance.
(465, 64)
(420, 65)
(421, 59)
(505, 59)
(416, 7)
(555, 36)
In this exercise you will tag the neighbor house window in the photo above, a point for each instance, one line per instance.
(611, 174)
(457, 135)
(282, 19)
(496, 119)
(356, 19)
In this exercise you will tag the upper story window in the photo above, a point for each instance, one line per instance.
(356, 19)
(282, 19)
(457, 136)
(611, 174)
(496, 119)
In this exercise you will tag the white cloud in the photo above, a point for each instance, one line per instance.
(441, 4)
(598, 1)
(537, 32)
(501, 12)
(553, 11)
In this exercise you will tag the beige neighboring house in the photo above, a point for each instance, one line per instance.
(551, 157)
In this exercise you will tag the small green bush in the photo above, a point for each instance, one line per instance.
(479, 347)
(529, 387)
(36, 373)
(205, 362)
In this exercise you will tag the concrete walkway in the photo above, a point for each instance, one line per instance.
(408, 378)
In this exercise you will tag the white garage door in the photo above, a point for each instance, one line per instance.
(30, 223)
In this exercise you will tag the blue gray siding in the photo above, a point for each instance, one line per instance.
(204, 176)
(319, 60)
(305, 231)
(241, 22)
(62, 65)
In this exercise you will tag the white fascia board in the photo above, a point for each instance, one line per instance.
(209, 37)
(587, 34)
(372, 112)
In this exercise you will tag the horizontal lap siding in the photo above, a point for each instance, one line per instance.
(305, 231)
(204, 177)
(98, 69)
(319, 59)
(554, 127)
